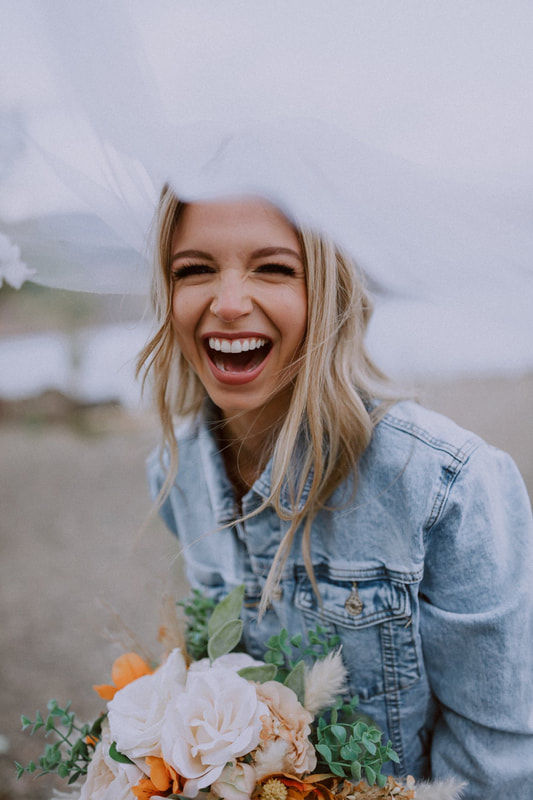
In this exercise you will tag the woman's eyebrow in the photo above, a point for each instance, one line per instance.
(265, 252)
(192, 254)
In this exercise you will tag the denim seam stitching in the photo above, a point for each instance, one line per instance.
(392, 696)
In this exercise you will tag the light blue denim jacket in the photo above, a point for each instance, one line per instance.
(426, 576)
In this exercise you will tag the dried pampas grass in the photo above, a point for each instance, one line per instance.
(171, 633)
(324, 682)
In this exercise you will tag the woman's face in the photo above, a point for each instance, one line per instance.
(239, 305)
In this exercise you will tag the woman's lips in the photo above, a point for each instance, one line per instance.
(238, 358)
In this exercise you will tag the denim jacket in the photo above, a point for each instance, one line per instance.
(426, 576)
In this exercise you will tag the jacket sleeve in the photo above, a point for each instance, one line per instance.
(477, 629)
(155, 473)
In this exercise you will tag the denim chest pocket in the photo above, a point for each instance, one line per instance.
(372, 616)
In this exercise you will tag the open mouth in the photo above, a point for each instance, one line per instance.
(237, 355)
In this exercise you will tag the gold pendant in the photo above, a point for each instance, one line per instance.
(354, 605)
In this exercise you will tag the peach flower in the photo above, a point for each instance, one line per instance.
(285, 745)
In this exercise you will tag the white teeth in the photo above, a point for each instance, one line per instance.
(235, 345)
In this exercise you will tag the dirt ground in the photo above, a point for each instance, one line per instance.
(74, 554)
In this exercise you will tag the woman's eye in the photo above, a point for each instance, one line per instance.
(275, 269)
(187, 270)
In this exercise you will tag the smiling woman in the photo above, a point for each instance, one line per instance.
(303, 478)
(239, 306)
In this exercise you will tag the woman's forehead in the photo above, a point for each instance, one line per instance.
(227, 222)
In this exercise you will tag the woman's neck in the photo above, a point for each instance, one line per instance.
(246, 446)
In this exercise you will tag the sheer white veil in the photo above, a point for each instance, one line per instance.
(401, 129)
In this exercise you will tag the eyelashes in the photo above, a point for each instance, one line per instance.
(189, 270)
(276, 269)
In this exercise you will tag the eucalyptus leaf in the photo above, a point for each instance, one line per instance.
(227, 610)
(259, 674)
(337, 769)
(339, 732)
(225, 639)
(355, 769)
(368, 744)
(370, 775)
(324, 751)
(295, 680)
(347, 753)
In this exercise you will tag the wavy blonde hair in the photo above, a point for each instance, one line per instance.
(338, 393)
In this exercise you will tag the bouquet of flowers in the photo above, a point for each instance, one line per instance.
(213, 723)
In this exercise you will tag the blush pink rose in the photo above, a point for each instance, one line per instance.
(285, 745)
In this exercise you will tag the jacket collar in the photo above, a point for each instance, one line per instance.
(218, 484)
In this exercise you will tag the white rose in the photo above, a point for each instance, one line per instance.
(217, 720)
(236, 782)
(136, 711)
(108, 779)
(234, 661)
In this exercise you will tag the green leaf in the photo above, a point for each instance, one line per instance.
(274, 657)
(295, 680)
(355, 769)
(62, 771)
(26, 722)
(337, 769)
(39, 722)
(227, 610)
(116, 756)
(348, 753)
(392, 755)
(50, 724)
(259, 674)
(339, 732)
(296, 641)
(20, 770)
(370, 746)
(370, 775)
(225, 639)
(324, 751)
(381, 781)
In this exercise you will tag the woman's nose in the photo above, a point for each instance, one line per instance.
(232, 299)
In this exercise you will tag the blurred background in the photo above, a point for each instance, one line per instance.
(83, 565)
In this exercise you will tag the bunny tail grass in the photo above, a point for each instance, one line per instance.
(439, 790)
(324, 682)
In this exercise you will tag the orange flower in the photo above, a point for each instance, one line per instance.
(126, 669)
(280, 786)
(145, 789)
(163, 778)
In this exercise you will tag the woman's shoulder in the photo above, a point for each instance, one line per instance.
(410, 423)
(426, 447)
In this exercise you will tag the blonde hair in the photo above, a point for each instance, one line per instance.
(336, 395)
